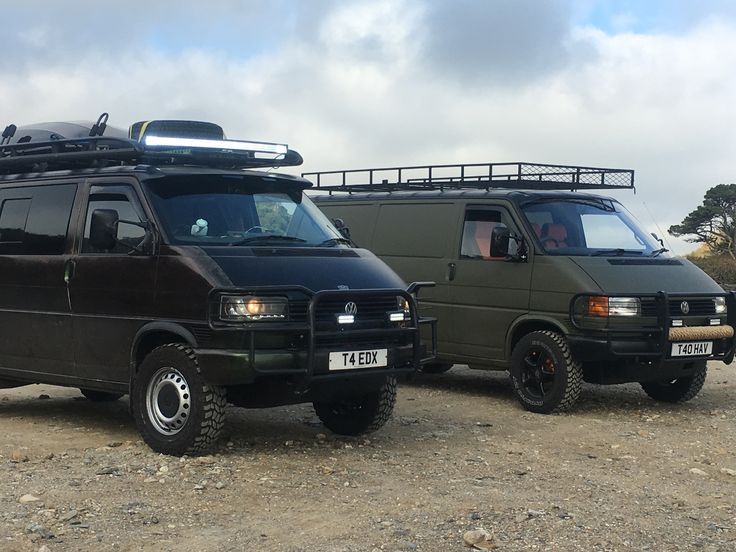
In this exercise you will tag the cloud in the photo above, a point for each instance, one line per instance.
(398, 82)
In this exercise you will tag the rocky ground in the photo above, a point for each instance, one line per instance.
(620, 472)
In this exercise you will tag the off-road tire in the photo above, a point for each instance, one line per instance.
(100, 396)
(678, 390)
(202, 405)
(436, 367)
(566, 382)
(359, 414)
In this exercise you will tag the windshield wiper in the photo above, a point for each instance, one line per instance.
(335, 241)
(267, 237)
(618, 252)
(658, 252)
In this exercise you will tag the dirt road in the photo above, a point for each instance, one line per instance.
(620, 472)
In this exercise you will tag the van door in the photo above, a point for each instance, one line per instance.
(489, 293)
(112, 291)
(417, 240)
(35, 324)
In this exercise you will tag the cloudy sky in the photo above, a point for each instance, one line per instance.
(358, 83)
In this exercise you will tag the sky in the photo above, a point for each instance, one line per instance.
(647, 85)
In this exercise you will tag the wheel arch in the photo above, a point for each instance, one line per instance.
(155, 334)
(526, 325)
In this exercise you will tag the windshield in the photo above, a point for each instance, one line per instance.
(588, 226)
(239, 210)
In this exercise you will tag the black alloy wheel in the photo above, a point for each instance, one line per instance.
(545, 376)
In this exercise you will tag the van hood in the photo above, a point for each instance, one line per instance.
(313, 268)
(646, 275)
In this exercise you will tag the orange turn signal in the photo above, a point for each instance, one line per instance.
(597, 306)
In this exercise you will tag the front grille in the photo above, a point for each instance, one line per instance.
(698, 307)
(371, 311)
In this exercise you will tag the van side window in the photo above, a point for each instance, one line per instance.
(129, 234)
(477, 229)
(35, 220)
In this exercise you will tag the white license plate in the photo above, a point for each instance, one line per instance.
(350, 360)
(692, 348)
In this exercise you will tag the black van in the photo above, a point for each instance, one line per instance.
(161, 264)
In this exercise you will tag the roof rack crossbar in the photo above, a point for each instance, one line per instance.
(517, 175)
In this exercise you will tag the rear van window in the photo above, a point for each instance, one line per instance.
(34, 220)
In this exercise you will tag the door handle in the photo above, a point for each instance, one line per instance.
(451, 268)
(69, 269)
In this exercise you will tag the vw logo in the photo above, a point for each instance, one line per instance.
(685, 307)
(351, 308)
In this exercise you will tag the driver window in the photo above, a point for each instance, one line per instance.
(128, 234)
(477, 230)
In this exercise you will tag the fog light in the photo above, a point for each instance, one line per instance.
(345, 319)
(396, 316)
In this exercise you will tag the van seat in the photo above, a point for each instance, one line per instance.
(553, 236)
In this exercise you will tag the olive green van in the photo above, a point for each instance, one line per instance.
(538, 276)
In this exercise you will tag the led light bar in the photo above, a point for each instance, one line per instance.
(345, 319)
(175, 142)
(396, 316)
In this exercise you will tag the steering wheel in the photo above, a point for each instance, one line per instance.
(253, 228)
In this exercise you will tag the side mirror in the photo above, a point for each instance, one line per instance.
(103, 229)
(342, 228)
(500, 241)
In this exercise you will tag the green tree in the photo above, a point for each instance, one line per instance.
(714, 222)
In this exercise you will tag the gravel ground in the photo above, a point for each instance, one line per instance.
(620, 472)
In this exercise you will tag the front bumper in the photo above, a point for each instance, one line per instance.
(637, 353)
(307, 359)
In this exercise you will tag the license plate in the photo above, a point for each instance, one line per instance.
(692, 348)
(351, 360)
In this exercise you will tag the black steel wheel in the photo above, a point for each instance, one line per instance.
(678, 390)
(359, 414)
(545, 376)
(175, 410)
(100, 396)
(436, 367)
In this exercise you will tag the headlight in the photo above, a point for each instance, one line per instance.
(613, 306)
(251, 308)
(720, 305)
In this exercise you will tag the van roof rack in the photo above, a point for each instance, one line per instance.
(476, 176)
(161, 148)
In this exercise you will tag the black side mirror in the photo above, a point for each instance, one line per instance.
(103, 229)
(500, 241)
(342, 228)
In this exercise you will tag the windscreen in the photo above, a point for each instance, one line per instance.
(588, 226)
(239, 210)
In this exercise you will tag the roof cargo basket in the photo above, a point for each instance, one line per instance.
(41, 148)
(476, 176)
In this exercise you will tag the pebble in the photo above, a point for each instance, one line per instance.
(698, 471)
(320, 436)
(28, 498)
(480, 539)
(728, 471)
(71, 514)
(18, 456)
(43, 397)
(219, 485)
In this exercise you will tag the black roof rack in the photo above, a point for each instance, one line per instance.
(484, 176)
(97, 151)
